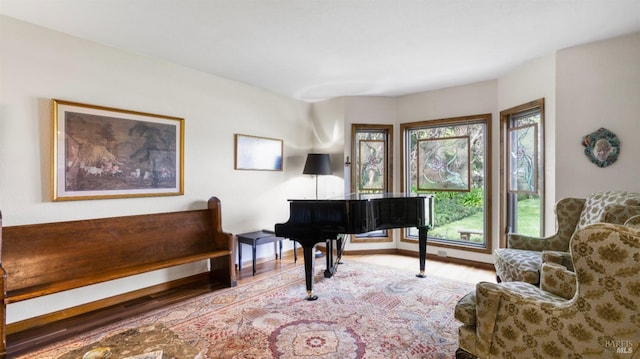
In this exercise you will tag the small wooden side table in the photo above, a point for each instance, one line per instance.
(257, 238)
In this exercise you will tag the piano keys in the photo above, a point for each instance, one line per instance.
(325, 220)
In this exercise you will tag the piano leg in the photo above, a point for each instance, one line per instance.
(422, 247)
(309, 260)
(332, 266)
(328, 272)
(339, 248)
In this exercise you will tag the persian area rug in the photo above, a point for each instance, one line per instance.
(364, 311)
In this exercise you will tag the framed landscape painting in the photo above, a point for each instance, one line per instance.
(258, 153)
(101, 152)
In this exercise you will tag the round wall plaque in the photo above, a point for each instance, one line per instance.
(602, 147)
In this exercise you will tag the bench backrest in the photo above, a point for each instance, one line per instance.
(41, 254)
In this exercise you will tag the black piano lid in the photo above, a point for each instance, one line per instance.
(357, 213)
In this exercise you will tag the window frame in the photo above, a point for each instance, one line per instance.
(506, 201)
(487, 121)
(388, 178)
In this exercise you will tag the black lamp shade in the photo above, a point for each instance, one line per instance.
(317, 164)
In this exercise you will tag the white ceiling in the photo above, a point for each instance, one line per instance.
(318, 49)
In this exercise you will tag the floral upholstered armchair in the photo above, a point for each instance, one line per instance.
(522, 258)
(600, 320)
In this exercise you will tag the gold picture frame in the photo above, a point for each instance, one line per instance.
(258, 153)
(102, 152)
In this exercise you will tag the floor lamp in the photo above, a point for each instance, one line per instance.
(317, 164)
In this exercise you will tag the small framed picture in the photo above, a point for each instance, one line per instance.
(258, 153)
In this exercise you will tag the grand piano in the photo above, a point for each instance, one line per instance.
(326, 220)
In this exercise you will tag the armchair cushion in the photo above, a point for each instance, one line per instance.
(517, 265)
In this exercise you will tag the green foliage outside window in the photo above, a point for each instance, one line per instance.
(452, 206)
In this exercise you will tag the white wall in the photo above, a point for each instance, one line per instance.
(37, 65)
(598, 85)
(328, 136)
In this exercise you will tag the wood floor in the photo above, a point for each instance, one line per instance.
(439, 268)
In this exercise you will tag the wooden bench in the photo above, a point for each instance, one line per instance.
(465, 234)
(41, 259)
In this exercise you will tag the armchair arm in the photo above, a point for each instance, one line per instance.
(559, 257)
(521, 241)
(558, 280)
(499, 306)
(487, 301)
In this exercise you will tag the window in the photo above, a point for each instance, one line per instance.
(522, 170)
(450, 158)
(371, 168)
